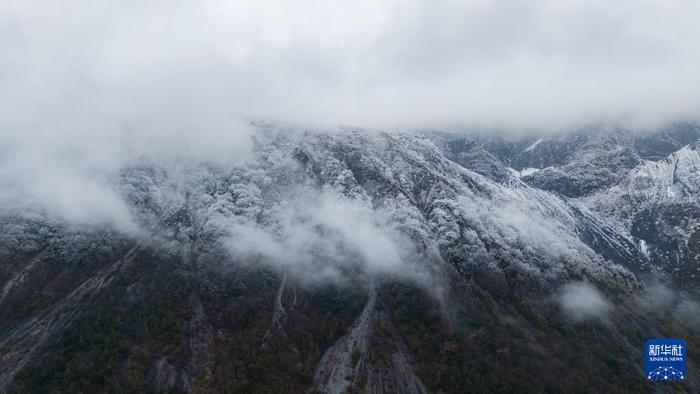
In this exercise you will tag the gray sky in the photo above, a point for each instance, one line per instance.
(86, 85)
(164, 67)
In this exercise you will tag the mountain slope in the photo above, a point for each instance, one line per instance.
(341, 261)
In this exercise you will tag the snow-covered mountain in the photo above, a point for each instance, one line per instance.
(361, 260)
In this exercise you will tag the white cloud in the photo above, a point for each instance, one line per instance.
(94, 84)
(325, 236)
(504, 63)
(583, 301)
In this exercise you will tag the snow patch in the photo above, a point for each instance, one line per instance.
(533, 146)
(644, 248)
(527, 171)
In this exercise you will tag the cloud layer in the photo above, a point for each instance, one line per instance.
(90, 85)
(186, 67)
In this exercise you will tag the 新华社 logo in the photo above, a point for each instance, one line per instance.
(665, 359)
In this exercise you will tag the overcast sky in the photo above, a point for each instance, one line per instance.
(88, 84)
(161, 67)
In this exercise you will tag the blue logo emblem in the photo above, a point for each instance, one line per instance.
(665, 359)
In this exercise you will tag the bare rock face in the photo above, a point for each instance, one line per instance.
(371, 357)
(345, 363)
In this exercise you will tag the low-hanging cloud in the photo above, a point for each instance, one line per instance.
(90, 85)
(325, 236)
(659, 295)
(583, 301)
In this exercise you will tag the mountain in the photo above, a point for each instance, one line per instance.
(356, 260)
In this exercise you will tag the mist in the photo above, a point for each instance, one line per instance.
(327, 237)
(581, 301)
